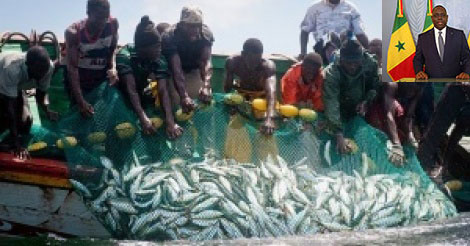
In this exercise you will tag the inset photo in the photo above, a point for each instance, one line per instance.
(426, 40)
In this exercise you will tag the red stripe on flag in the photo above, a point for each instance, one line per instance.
(403, 70)
(400, 7)
(430, 7)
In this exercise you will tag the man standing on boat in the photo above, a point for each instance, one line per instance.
(257, 78)
(188, 48)
(136, 64)
(326, 16)
(351, 84)
(91, 46)
(20, 72)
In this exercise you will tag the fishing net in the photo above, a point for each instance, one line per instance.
(222, 179)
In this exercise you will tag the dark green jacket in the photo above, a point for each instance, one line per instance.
(342, 93)
(127, 62)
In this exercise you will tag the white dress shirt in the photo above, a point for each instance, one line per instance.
(436, 34)
(323, 17)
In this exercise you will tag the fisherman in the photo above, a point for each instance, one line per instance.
(387, 115)
(20, 72)
(256, 78)
(137, 64)
(188, 47)
(375, 47)
(351, 83)
(91, 47)
(327, 16)
(163, 27)
(454, 98)
(303, 83)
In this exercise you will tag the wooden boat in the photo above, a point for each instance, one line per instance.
(36, 197)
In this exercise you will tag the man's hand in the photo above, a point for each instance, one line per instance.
(86, 110)
(422, 76)
(341, 146)
(52, 115)
(205, 94)
(147, 126)
(463, 76)
(112, 76)
(21, 153)
(412, 140)
(395, 154)
(361, 108)
(187, 104)
(174, 130)
(268, 127)
(301, 57)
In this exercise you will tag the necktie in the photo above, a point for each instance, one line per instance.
(441, 46)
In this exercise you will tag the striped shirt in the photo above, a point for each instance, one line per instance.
(94, 53)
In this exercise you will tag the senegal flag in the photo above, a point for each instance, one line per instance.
(468, 39)
(428, 22)
(402, 48)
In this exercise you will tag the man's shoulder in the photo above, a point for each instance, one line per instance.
(233, 61)
(169, 34)
(348, 5)
(8, 59)
(269, 65)
(370, 60)
(316, 6)
(11, 64)
(426, 34)
(332, 71)
(454, 30)
(207, 33)
(76, 26)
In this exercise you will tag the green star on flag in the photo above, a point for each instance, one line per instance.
(400, 46)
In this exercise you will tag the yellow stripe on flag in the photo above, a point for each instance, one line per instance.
(469, 40)
(401, 46)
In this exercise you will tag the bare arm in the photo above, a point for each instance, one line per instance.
(269, 126)
(228, 82)
(178, 75)
(129, 81)
(112, 72)
(363, 40)
(42, 99)
(13, 117)
(270, 88)
(390, 119)
(303, 43)
(173, 130)
(205, 67)
(71, 41)
(112, 57)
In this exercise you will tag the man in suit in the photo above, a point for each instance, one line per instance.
(442, 52)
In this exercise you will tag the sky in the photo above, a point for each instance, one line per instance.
(275, 22)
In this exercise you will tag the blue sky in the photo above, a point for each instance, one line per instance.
(275, 22)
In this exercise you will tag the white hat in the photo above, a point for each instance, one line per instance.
(192, 15)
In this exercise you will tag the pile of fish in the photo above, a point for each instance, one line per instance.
(223, 199)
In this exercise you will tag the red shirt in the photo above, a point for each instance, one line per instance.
(377, 117)
(295, 91)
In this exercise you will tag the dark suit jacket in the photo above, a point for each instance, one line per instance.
(456, 55)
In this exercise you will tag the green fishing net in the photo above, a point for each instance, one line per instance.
(222, 179)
